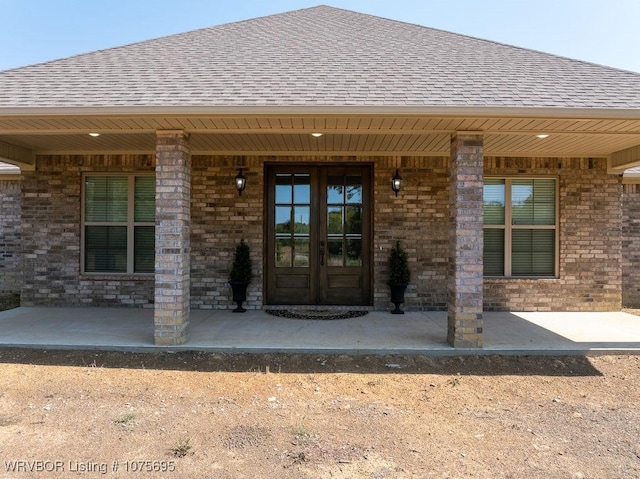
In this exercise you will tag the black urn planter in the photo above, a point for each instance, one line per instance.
(239, 290)
(397, 296)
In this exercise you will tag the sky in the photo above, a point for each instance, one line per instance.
(599, 31)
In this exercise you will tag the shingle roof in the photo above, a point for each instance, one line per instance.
(321, 56)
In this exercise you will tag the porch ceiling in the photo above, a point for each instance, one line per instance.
(342, 134)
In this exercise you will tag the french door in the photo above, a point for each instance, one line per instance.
(318, 235)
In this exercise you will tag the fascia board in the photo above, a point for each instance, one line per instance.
(355, 110)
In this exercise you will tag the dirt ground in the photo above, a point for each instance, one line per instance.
(86, 414)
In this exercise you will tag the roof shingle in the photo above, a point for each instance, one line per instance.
(321, 56)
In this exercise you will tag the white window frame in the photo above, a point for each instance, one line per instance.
(508, 227)
(130, 224)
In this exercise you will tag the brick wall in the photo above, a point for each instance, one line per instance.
(10, 200)
(631, 246)
(419, 218)
(220, 218)
(590, 223)
(51, 235)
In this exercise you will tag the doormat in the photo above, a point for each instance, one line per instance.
(313, 314)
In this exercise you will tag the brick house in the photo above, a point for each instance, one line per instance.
(631, 238)
(10, 200)
(511, 162)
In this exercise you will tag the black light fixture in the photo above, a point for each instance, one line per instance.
(241, 182)
(396, 182)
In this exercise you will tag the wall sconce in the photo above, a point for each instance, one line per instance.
(396, 182)
(241, 182)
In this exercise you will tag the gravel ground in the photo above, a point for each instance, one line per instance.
(88, 414)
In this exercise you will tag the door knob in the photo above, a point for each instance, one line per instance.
(321, 253)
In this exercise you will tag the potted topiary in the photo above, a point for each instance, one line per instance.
(240, 275)
(399, 276)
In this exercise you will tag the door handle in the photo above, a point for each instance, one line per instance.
(321, 253)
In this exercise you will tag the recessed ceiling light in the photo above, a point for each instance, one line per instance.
(317, 135)
(542, 136)
(94, 134)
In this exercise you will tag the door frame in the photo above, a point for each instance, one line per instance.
(368, 230)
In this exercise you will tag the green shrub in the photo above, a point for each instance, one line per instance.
(399, 265)
(242, 265)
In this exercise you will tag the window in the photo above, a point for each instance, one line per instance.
(520, 227)
(119, 224)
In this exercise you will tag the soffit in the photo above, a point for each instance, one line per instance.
(364, 134)
(305, 123)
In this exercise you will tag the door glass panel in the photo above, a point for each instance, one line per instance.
(334, 220)
(354, 252)
(283, 252)
(344, 220)
(301, 217)
(283, 189)
(283, 219)
(292, 220)
(301, 189)
(335, 190)
(334, 250)
(353, 222)
(354, 189)
(301, 252)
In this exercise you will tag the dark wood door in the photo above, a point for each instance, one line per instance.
(318, 235)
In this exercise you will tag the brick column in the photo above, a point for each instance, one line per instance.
(173, 247)
(465, 242)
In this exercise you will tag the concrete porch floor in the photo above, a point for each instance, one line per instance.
(379, 332)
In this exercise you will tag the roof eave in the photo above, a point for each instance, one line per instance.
(346, 110)
(630, 178)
